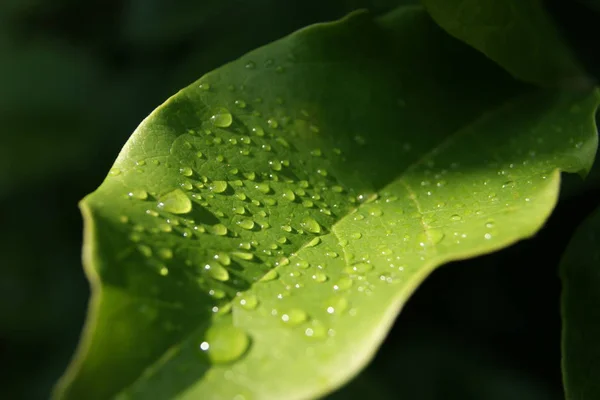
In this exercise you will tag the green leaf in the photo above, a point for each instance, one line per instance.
(260, 231)
(580, 274)
(517, 34)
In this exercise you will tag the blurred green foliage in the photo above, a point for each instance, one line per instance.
(77, 77)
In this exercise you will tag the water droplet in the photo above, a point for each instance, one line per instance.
(319, 277)
(263, 187)
(185, 171)
(375, 212)
(360, 268)
(145, 250)
(258, 131)
(222, 258)
(219, 230)
(224, 343)
(243, 255)
(217, 271)
(249, 301)
(217, 293)
(175, 202)
(310, 225)
(186, 185)
(138, 194)
(489, 224)
(307, 203)
(275, 165)
(114, 172)
(356, 235)
(269, 276)
(436, 236)
(344, 283)
(294, 317)
(272, 122)
(316, 330)
(288, 195)
(240, 103)
(487, 236)
(314, 242)
(455, 217)
(302, 264)
(250, 65)
(286, 228)
(245, 223)
(336, 305)
(165, 254)
(163, 271)
(221, 117)
(218, 186)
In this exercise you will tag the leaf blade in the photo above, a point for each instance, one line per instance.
(171, 311)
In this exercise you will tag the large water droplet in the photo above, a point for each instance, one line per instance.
(175, 202)
(218, 186)
(224, 343)
(310, 225)
(436, 236)
(221, 117)
(219, 230)
(217, 271)
(246, 223)
(288, 195)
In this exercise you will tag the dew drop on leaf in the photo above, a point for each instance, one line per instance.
(185, 171)
(218, 186)
(219, 230)
(287, 194)
(221, 117)
(223, 258)
(217, 271)
(138, 194)
(263, 187)
(176, 202)
(242, 255)
(342, 284)
(316, 330)
(245, 223)
(310, 225)
(145, 250)
(319, 277)
(436, 236)
(269, 276)
(294, 317)
(249, 301)
(224, 343)
(313, 242)
(258, 131)
(165, 254)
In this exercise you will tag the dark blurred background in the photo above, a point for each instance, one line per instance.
(75, 80)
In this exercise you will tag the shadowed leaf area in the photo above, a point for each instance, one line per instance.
(580, 273)
(260, 231)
